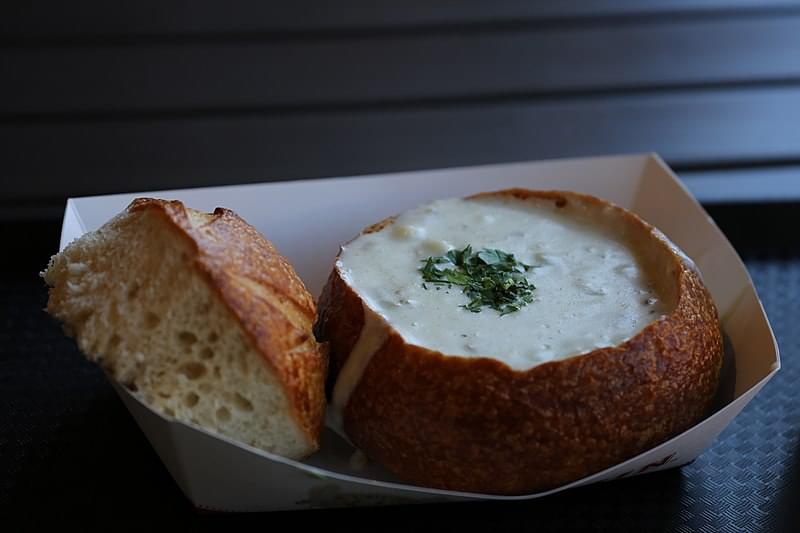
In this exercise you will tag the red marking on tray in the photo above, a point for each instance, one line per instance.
(668, 459)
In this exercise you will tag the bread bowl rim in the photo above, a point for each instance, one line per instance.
(556, 195)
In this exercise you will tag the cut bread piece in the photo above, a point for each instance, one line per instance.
(200, 317)
(597, 342)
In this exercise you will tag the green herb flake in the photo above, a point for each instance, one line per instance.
(490, 278)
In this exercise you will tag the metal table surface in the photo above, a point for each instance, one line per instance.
(70, 452)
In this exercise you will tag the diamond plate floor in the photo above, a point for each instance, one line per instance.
(70, 452)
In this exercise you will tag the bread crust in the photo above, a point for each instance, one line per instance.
(476, 425)
(265, 294)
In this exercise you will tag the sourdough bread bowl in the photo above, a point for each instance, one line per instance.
(610, 345)
(200, 317)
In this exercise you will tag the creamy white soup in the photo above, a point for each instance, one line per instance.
(590, 289)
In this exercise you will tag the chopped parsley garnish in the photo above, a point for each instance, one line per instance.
(491, 278)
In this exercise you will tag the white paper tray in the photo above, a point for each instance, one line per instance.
(308, 220)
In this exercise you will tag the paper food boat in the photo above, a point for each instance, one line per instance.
(308, 220)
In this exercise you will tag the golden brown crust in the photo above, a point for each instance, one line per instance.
(379, 225)
(474, 424)
(340, 319)
(265, 294)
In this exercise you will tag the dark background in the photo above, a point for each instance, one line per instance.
(100, 97)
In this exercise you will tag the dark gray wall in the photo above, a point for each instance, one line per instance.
(104, 97)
